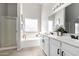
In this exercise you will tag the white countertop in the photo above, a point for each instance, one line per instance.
(65, 39)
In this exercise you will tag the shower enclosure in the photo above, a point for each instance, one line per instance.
(7, 31)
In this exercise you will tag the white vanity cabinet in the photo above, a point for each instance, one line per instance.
(54, 47)
(45, 44)
(71, 50)
(42, 42)
(65, 53)
(60, 48)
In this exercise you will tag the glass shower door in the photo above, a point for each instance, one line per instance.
(7, 32)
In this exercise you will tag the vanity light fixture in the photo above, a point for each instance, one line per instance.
(57, 6)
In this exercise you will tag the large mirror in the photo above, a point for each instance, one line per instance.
(68, 18)
(72, 18)
(58, 19)
(51, 24)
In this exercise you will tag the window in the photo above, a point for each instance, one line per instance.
(31, 25)
(50, 25)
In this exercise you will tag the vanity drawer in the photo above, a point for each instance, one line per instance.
(54, 42)
(71, 49)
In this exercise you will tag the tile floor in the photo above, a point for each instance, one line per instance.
(33, 51)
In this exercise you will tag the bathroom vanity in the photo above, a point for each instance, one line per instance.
(68, 18)
(60, 45)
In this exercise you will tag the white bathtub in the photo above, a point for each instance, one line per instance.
(30, 42)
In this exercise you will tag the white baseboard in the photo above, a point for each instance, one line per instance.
(7, 48)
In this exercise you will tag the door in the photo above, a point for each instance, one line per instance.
(7, 32)
(54, 48)
(74, 51)
(46, 45)
(42, 42)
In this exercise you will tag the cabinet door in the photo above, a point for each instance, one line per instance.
(65, 53)
(42, 42)
(54, 48)
(54, 51)
(70, 49)
(46, 45)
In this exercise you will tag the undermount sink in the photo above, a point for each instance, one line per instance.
(74, 37)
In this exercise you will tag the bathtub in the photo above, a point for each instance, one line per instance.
(30, 42)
